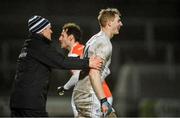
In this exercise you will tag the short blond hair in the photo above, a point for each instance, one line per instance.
(106, 15)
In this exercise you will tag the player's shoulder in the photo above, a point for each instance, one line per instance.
(97, 39)
(80, 46)
(77, 49)
(99, 35)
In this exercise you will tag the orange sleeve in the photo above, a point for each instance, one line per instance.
(106, 89)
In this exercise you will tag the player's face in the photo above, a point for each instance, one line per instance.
(116, 25)
(64, 40)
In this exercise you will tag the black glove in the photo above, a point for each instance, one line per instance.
(105, 107)
(60, 90)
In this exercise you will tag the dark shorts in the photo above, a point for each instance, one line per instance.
(28, 113)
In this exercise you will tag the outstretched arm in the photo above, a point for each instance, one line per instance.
(49, 56)
(72, 81)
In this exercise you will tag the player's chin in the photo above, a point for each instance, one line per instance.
(117, 32)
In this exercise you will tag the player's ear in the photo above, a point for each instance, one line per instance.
(109, 23)
(71, 37)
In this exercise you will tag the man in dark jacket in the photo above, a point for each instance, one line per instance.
(34, 65)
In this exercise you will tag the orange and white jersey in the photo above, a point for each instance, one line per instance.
(77, 50)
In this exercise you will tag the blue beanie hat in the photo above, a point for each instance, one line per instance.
(37, 24)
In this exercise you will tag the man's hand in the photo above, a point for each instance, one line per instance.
(95, 62)
(60, 90)
(105, 107)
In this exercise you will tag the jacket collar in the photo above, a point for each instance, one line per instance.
(40, 37)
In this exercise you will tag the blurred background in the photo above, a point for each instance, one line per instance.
(145, 69)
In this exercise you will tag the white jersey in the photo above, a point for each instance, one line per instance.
(101, 46)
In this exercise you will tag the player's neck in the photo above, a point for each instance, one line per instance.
(72, 45)
(107, 32)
